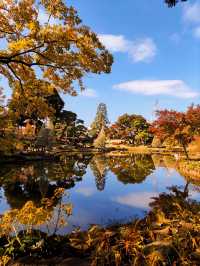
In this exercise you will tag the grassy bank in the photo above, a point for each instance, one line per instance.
(190, 170)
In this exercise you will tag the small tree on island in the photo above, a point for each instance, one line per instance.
(100, 141)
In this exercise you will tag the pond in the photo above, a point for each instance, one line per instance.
(103, 189)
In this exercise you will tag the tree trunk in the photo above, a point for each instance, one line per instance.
(185, 150)
(186, 191)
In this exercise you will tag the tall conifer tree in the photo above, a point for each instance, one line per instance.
(101, 120)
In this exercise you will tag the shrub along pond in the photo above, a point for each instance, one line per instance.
(47, 206)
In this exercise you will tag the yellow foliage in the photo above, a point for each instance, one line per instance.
(21, 44)
(31, 216)
(4, 260)
(63, 51)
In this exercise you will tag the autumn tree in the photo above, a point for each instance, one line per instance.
(7, 134)
(131, 128)
(39, 57)
(193, 118)
(101, 120)
(2, 113)
(173, 124)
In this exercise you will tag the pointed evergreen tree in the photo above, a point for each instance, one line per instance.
(101, 120)
(100, 141)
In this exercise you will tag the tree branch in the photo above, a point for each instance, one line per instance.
(16, 76)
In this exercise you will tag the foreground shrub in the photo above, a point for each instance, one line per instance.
(168, 235)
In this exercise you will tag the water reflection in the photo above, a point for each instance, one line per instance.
(102, 188)
(132, 169)
(168, 162)
(38, 180)
(99, 169)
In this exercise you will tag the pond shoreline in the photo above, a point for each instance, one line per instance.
(26, 185)
(111, 151)
(157, 232)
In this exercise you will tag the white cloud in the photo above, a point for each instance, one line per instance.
(89, 93)
(137, 199)
(143, 50)
(140, 50)
(176, 88)
(115, 43)
(86, 191)
(191, 12)
(196, 32)
(191, 17)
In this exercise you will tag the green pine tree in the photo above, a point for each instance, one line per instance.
(101, 120)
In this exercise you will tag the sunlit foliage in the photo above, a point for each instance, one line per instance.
(172, 124)
(168, 235)
(133, 129)
(43, 55)
(18, 226)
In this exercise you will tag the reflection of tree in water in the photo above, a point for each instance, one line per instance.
(132, 169)
(168, 162)
(99, 168)
(173, 201)
(39, 180)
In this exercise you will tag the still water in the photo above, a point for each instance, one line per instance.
(103, 190)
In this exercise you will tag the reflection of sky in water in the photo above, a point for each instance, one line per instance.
(3, 202)
(118, 202)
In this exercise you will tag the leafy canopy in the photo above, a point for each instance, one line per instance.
(132, 128)
(39, 57)
(179, 126)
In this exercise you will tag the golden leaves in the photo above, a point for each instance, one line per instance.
(30, 216)
(58, 52)
(4, 260)
(21, 44)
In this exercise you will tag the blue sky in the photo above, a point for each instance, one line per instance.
(156, 57)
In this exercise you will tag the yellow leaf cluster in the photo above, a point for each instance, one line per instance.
(21, 44)
(30, 216)
(4, 260)
(56, 53)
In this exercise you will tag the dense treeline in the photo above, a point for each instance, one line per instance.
(63, 50)
(65, 129)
